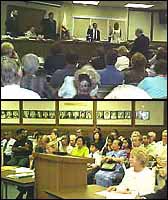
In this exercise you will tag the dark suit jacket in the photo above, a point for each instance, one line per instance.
(12, 26)
(141, 44)
(98, 34)
(49, 29)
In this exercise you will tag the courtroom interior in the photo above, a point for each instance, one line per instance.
(84, 149)
(83, 50)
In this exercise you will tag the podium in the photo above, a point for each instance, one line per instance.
(58, 173)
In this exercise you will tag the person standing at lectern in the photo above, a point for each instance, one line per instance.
(95, 33)
(12, 24)
(49, 27)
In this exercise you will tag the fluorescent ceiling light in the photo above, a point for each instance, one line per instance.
(87, 2)
(132, 5)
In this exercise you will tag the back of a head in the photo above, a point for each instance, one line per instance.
(56, 48)
(138, 31)
(71, 58)
(123, 51)
(30, 63)
(161, 53)
(161, 67)
(9, 71)
(127, 92)
(7, 49)
(90, 72)
(111, 57)
(138, 61)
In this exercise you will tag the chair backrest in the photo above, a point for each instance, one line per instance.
(104, 90)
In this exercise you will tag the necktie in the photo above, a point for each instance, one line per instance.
(95, 35)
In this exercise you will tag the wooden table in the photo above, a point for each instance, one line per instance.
(78, 193)
(84, 49)
(22, 182)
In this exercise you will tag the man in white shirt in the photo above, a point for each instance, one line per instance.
(11, 74)
(94, 167)
(7, 144)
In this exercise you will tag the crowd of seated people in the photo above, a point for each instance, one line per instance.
(63, 75)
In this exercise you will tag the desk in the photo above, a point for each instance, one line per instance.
(77, 193)
(84, 49)
(22, 182)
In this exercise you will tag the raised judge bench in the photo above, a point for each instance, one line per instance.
(84, 49)
(62, 177)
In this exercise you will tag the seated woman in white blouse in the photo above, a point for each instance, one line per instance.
(122, 61)
(138, 178)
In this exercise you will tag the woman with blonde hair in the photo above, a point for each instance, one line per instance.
(138, 178)
(123, 60)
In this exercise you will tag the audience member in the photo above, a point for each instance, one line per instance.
(7, 144)
(7, 49)
(122, 61)
(51, 148)
(162, 145)
(87, 139)
(21, 150)
(145, 141)
(98, 139)
(137, 141)
(138, 178)
(93, 167)
(113, 174)
(11, 75)
(141, 43)
(54, 135)
(108, 145)
(110, 75)
(80, 150)
(136, 72)
(156, 86)
(114, 133)
(87, 81)
(56, 59)
(57, 78)
(62, 144)
(33, 77)
(127, 92)
(71, 145)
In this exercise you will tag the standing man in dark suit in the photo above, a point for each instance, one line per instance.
(12, 24)
(141, 43)
(95, 33)
(49, 27)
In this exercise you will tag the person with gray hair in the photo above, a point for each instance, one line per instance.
(141, 43)
(34, 78)
(11, 74)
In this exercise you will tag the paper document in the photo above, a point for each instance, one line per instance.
(22, 175)
(115, 195)
(23, 170)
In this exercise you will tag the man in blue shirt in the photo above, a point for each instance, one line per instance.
(110, 75)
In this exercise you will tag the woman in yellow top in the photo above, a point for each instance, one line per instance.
(80, 150)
